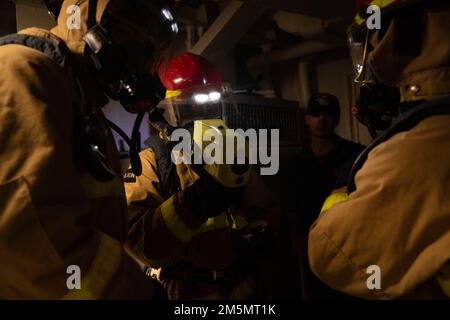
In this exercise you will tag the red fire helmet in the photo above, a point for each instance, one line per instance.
(187, 72)
(195, 90)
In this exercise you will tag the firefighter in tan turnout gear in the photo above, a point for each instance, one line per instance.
(62, 201)
(393, 220)
(199, 237)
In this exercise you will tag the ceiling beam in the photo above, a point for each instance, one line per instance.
(323, 9)
(229, 27)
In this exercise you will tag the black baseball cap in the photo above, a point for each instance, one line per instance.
(323, 103)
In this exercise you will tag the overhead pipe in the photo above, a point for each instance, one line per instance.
(309, 27)
(304, 82)
(301, 50)
(299, 25)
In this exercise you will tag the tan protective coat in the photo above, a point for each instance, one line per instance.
(51, 214)
(168, 231)
(399, 216)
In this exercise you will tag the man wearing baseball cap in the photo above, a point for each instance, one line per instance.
(328, 158)
(324, 164)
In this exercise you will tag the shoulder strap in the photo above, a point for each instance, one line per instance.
(406, 122)
(42, 44)
(166, 169)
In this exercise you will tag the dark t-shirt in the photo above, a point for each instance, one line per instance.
(309, 185)
(317, 177)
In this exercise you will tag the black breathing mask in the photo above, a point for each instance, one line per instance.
(124, 76)
(377, 104)
(122, 69)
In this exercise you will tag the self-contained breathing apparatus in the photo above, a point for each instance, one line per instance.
(124, 71)
(378, 101)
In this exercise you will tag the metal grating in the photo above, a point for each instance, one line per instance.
(264, 113)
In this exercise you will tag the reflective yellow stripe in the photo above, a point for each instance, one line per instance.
(175, 224)
(334, 199)
(96, 189)
(239, 222)
(445, 284)
(185, 234)
(172, 93)
(101, 271)
(214, 223)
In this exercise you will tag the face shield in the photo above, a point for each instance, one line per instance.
(377, 102)
(358, 42)
(153, 19)
(202, 111)
(182, 110)
(126, 47)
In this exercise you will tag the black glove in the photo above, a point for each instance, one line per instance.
(208, 198)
